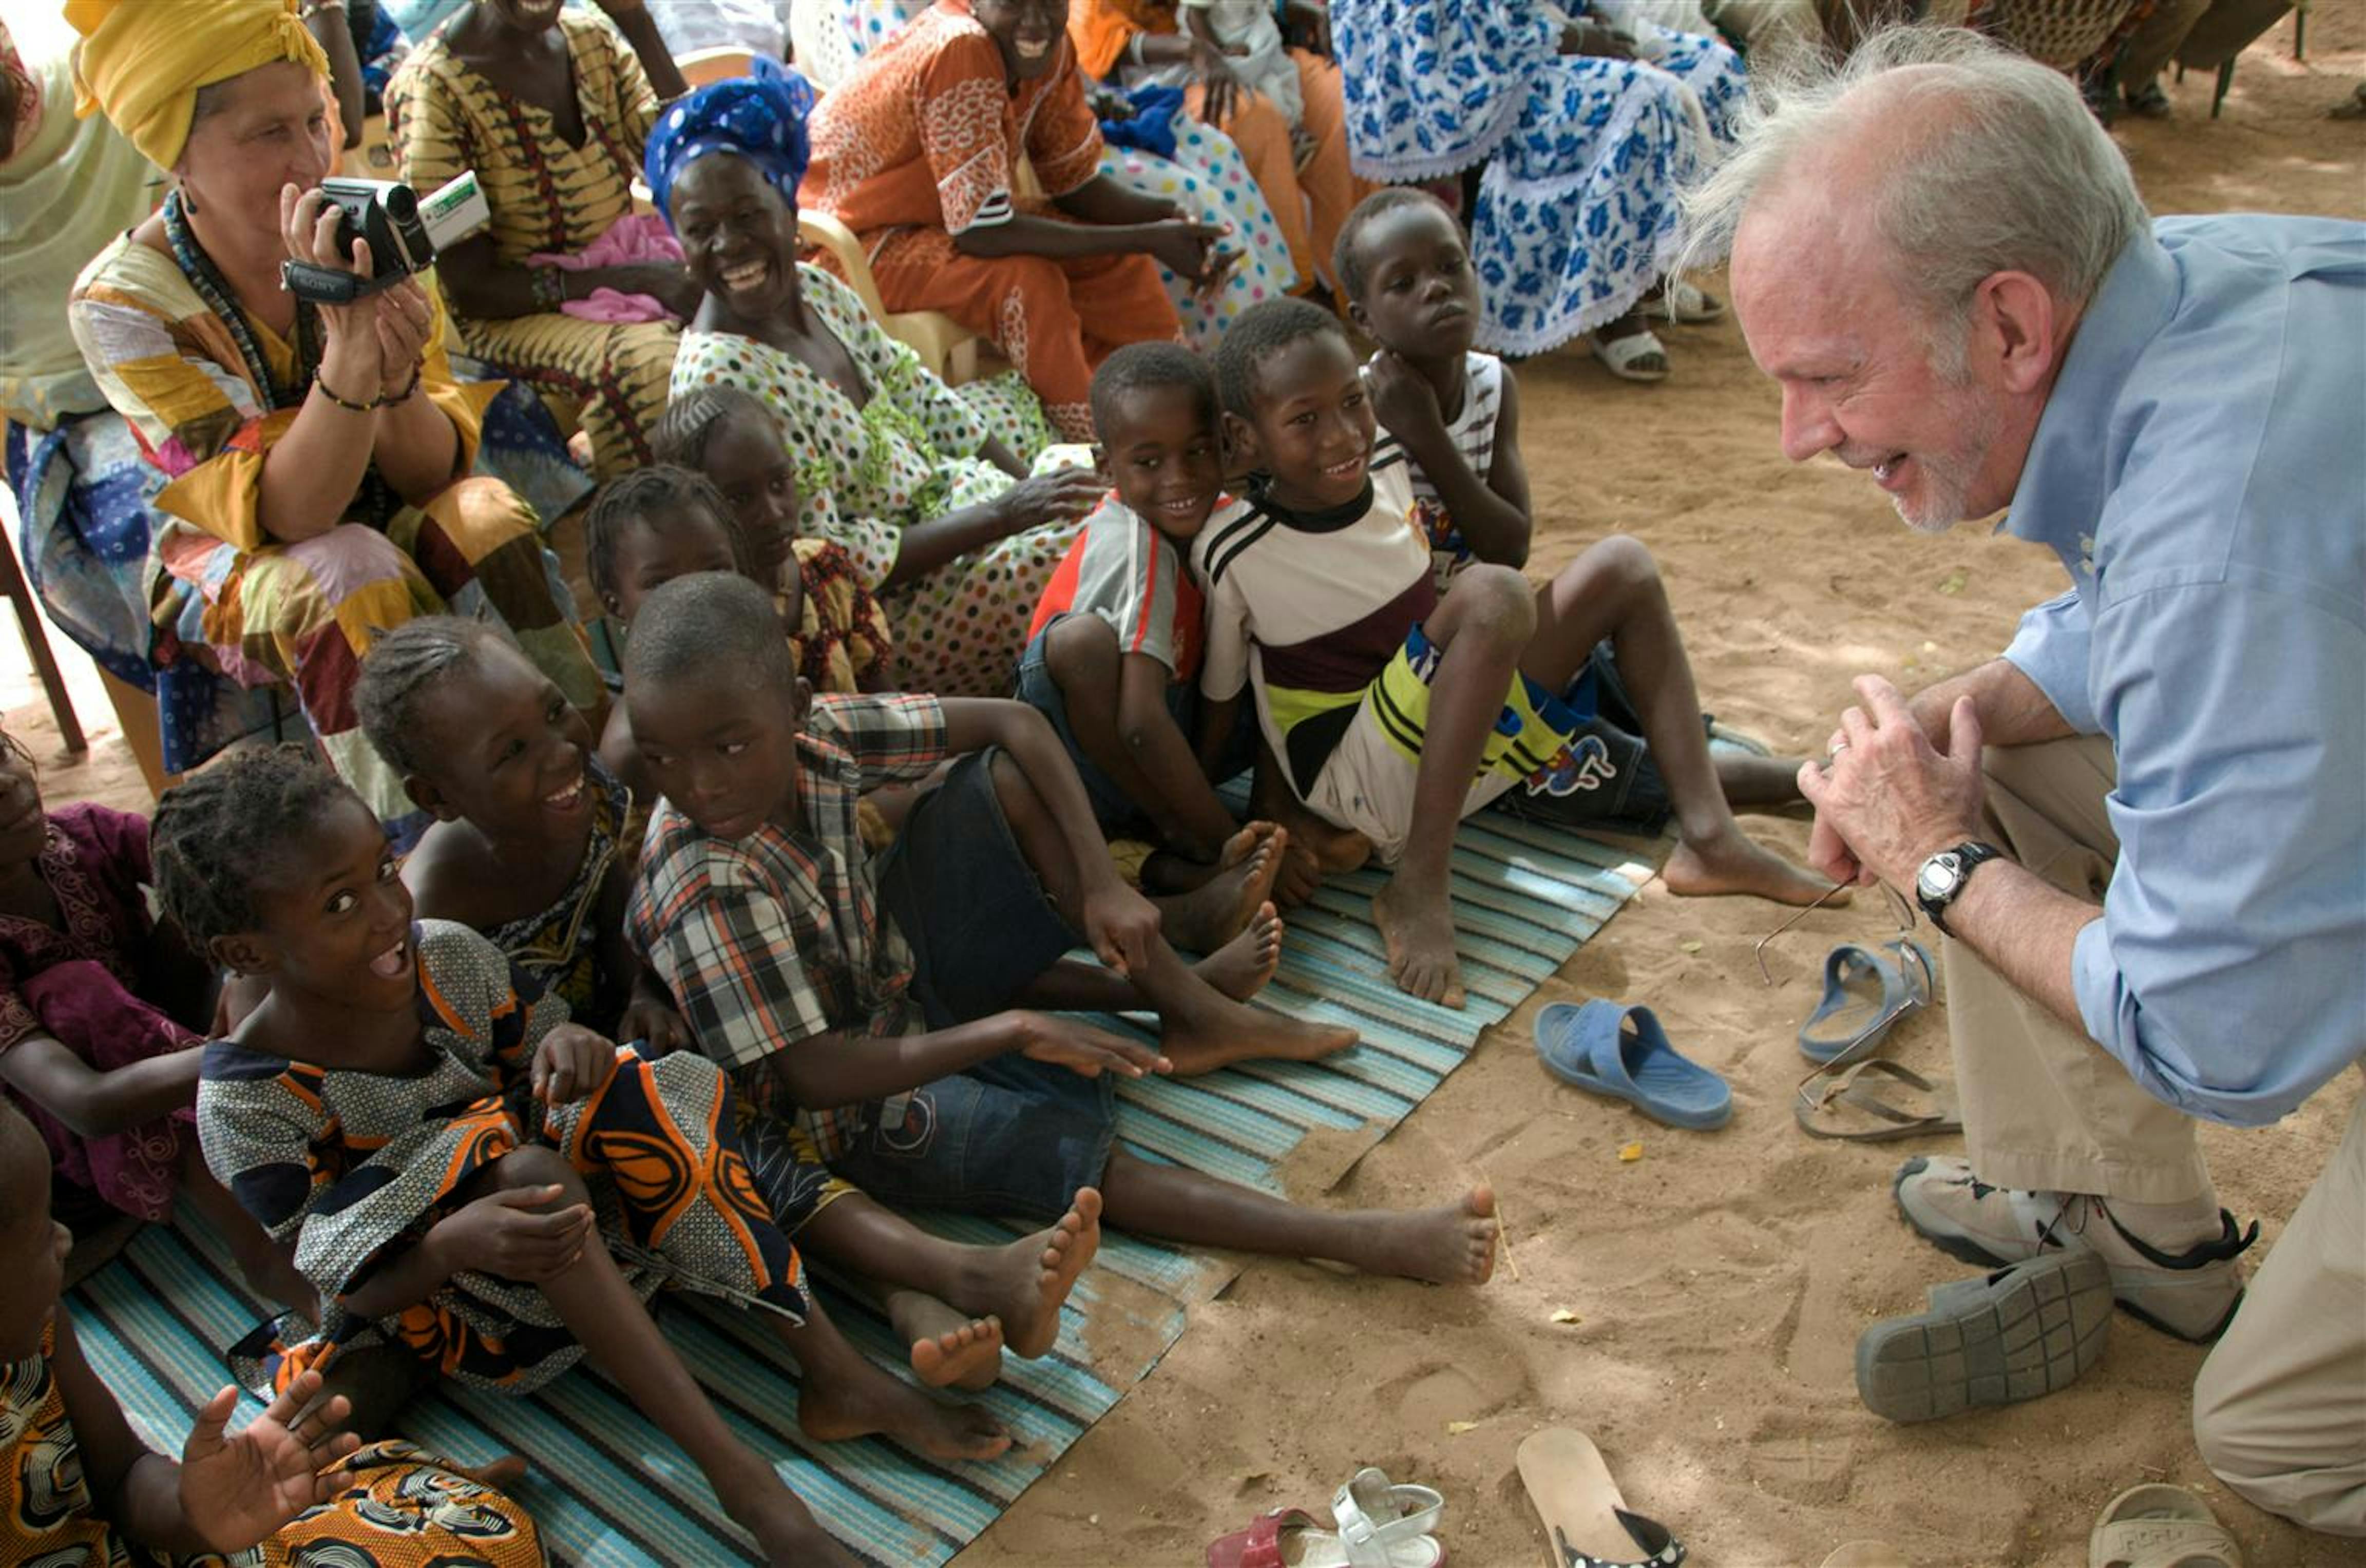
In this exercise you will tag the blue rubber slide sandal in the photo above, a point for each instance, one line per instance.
(1605, 1047)
(1866, 990)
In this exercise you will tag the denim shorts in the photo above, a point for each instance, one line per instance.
(1112, 808)
(969, 905)
(1009, 1137)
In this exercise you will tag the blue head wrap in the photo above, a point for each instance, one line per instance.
(761, 116)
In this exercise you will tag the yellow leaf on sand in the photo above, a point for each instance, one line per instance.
(1630, 1154)
(1689, 946)
(1562, 1314)
(1456, 1429)
(1954, 581)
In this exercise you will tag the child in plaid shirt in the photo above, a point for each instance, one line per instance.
(889, 1001)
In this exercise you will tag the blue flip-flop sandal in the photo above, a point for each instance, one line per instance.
(1592, 1046)
(1866, 990)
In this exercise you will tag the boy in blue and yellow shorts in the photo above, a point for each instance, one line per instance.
(1390, 711)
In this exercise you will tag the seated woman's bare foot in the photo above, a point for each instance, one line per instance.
(1417, 924)
(1027, 1282)
(1242, 967)
(1734, 862)
(1226, 1032)
(868, 1401)
(1221, 907)
(950, 1348)
(1454, 1244)
(785, 1530)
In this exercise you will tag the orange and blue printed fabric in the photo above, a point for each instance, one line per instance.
(395, 1508)
(353, 1169)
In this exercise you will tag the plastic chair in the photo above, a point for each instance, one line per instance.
(704, 67)
(943, 344)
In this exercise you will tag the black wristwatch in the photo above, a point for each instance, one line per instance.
(1943, 877)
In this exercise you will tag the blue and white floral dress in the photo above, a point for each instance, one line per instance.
(1576, 214)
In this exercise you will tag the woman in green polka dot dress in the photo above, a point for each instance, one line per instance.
(928, 489)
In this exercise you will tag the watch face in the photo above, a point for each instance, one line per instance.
(1939, 876)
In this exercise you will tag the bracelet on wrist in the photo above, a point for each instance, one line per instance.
(549, 288)
(417, 369)
(347, 403)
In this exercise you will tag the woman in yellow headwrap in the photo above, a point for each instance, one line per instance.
(318, 454)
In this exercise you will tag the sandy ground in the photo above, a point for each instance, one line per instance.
(1720, 1281)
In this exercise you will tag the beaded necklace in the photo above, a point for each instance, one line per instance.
(215, 290)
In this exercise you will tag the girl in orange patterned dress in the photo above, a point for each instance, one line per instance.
(78, 1485)
(915, 152)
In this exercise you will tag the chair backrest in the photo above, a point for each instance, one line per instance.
(703, 67)
(834, 239)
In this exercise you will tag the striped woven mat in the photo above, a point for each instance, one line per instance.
(611, 1492)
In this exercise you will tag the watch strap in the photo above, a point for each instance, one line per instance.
(1970, 855)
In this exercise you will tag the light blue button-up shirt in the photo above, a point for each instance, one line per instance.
(2201, 469)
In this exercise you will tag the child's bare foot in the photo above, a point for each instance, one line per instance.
(499, 1472)
(1242, 967)
(1453, 1245)
(1417, 924)
(1221, 907)
(949, 1350)
(1734, 862)
(1227, 1031)
(1752, 783)
(1026, 1282)
(786, 1533)
(868, 1401)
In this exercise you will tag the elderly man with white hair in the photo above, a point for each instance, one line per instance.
(2142, 831)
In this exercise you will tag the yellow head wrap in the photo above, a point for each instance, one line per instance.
(141, 61)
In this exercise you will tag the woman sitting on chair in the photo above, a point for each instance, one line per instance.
(925, 487)
(318, 452)
(550, 109)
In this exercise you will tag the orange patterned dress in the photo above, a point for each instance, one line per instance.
(919, 145)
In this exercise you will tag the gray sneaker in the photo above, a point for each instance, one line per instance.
(2191, 1294)
(1998, 1339)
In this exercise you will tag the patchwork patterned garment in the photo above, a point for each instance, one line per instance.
(304, 615)
(920, 143)
(399, 1508)
(354, 1167)
(80, 984)
(909, 456)
(842, 635)
(1576, 216)
(548, 194)
(772, 939)
(560, 947)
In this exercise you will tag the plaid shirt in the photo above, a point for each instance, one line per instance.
(778, 937)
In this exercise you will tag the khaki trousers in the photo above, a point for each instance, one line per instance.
(2280, 1408)
(2044, 1107)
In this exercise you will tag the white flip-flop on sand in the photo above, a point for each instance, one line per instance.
(1586, 1519)
(2160, 1526)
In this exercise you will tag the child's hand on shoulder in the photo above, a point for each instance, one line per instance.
(571, 1062)
(236, 1490)
(653, 1021)
(1403, 399)
(1086, 1051)
(1119, 925)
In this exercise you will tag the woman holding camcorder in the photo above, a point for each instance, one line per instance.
(320, 453)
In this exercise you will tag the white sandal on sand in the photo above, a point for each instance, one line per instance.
(2160, 1526)
(1621, 355)
(1379, 1526)
(1686, 303)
